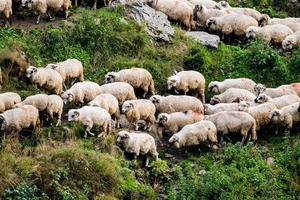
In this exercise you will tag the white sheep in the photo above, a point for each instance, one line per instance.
(291, 41)
(279, 102)
(176, 121)
(286, 117)
(213, 109)
(178, 103)
(233, 95)
(109, 103)
(46, 78)
(194, 134)
(273, 92)
(51, 104)
(6, 9)
(121, 90)
(210, 4)
(81, 92)
(275, 33)
(234, 122)
(178, 10)
(8, 100)
(138, 78)
(91, 116)
(42, 7)
(140, 109)
(138, 143)
(186, 81)
(16, 119)
(231, 24)
(260, 112)
(242, 83)
(291, 23)
(293, 86)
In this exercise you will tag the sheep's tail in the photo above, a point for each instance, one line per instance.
(152, 88)
(253, 132)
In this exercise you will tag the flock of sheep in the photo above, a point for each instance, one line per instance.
(241, 106)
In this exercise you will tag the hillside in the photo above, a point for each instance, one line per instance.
(58, 163)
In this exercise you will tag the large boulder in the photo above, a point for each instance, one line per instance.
(204, 38)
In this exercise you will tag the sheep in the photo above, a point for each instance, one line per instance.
(291, 41)
(242, 83)
(69, 69)
(194, 134)
(42, 7)
(293, 86)
(6, 9)
(291, 23)
(138, 143)
(188, 80)
(121, 90)
(8, 100)
(234, 122)
(138, 78)
(275, 33)
(286, 117)
(231, 24)
(140, 109)
(81, 92)
(232, 95)
(279, 102)
(202, 14)
(176, 121)
(52, 104)
(242, 11)
(210, 4)
(273, 92)
(91, 116)
(109, 103)
(179, 103)
(16, 119)
(47, 78)
(260, 112)
(178, 10)
(213, 109)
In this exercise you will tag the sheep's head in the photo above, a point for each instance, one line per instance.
(67, 96)
(156, 99)
(73, 115)
(52, 66)
(198, 9)
(122, 137)
(127, 106)
(251, 31)
(244, 106)
(215, 100)
(211, 23)
(264, 20)
(163, 118)
(289, 42)
(262, 98)
(172, 82)
(275, 116)
(27, 3)
(2, 123)
(224, 4)
(111, 77)
(259, 89)
(213, 87)
(175, 141)
(31, 71)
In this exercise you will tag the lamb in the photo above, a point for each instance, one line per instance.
(279, 102)
(91, 116)
(178, 10)
(232, 95)
(242, 83)
(47, 78)
(122, 91)
(179, 103)
(286, 116)
(52, 104)
(8, 100)
(16, 119)
(234, 122)
(231, 24)
(291, 41)
(42, 7)
(6, 9)
(138, 78)
(138, 143)
(188, 80)
(109, 103)
(276, 33)
(202, 14)
(293, 86)
(260, 113)
(291, 23)
(69, 69)
(140, 109)
(81, 92)
(210, 4)
(176, 121)
(273, 92)
(213, 109)
(194, 134)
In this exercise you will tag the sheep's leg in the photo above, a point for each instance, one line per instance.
(38, 19)
(88, 131)
(243, 140)
(76, 3)
(287, 132)
(66, 14)
(95, 4)
(176, 92)
(147, 161)
(136, 126)
(50, 17)
(276, 130)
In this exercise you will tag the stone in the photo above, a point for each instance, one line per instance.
(206, 39)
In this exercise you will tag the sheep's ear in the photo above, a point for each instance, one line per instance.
(174, 72)
(76, 113)
(201, 8)
(126, 136)
(1, 119)
(197, 8)
(236, 100)
(70, 95)
(131, 105)
(34, 70)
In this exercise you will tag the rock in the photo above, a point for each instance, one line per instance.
(204, 38)
(202, 172)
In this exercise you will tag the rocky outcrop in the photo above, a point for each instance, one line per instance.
(204, 38)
